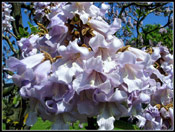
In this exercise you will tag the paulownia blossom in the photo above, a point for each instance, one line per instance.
(6, 17)
(78, 69)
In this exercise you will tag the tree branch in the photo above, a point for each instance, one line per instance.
(13, 34)
(16, 13)
(123, 8)
(28, 7)
(10, 44)
(7, 89)
(157, 28)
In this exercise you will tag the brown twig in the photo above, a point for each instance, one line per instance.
(10, 44)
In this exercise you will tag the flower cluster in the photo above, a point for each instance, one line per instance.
(77, 69)
(43, 10)
(6, 17)
(162, 30)
(159, 113)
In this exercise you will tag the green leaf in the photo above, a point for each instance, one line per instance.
(76, 126)
(138, 12)
(26, 28)
(30, 25)
(41, 125)
(122, 125)
(128, 29)
(4, 126)
(26, 34)
(16, 100)
(34, 30)
(21, 31)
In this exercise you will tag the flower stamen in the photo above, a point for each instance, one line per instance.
(124, 48)
(149, 50)
(159, 106)
(84, 45)
(42, 30)
(47, 56)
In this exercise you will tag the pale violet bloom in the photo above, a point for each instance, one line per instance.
(32, 112)
(109, 112)
(105, 120)
(31, 119)
(44, 9)
(156, 54)
(48, 44)
(135, 101)
(171, 113)
(28, 45)
(57, 25)
(141, 56)
(55, 96)
(19, 66)
(131, 71)
(150, 119)
(30, 71)
(6, 17)
(103, 27)
(60, 124)
(83, 9)
(92, 77)
(71, 63)
(112, 44)
(104, 8)
(52, 102)
(105, 49)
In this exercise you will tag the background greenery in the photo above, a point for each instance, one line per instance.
(46, 125)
